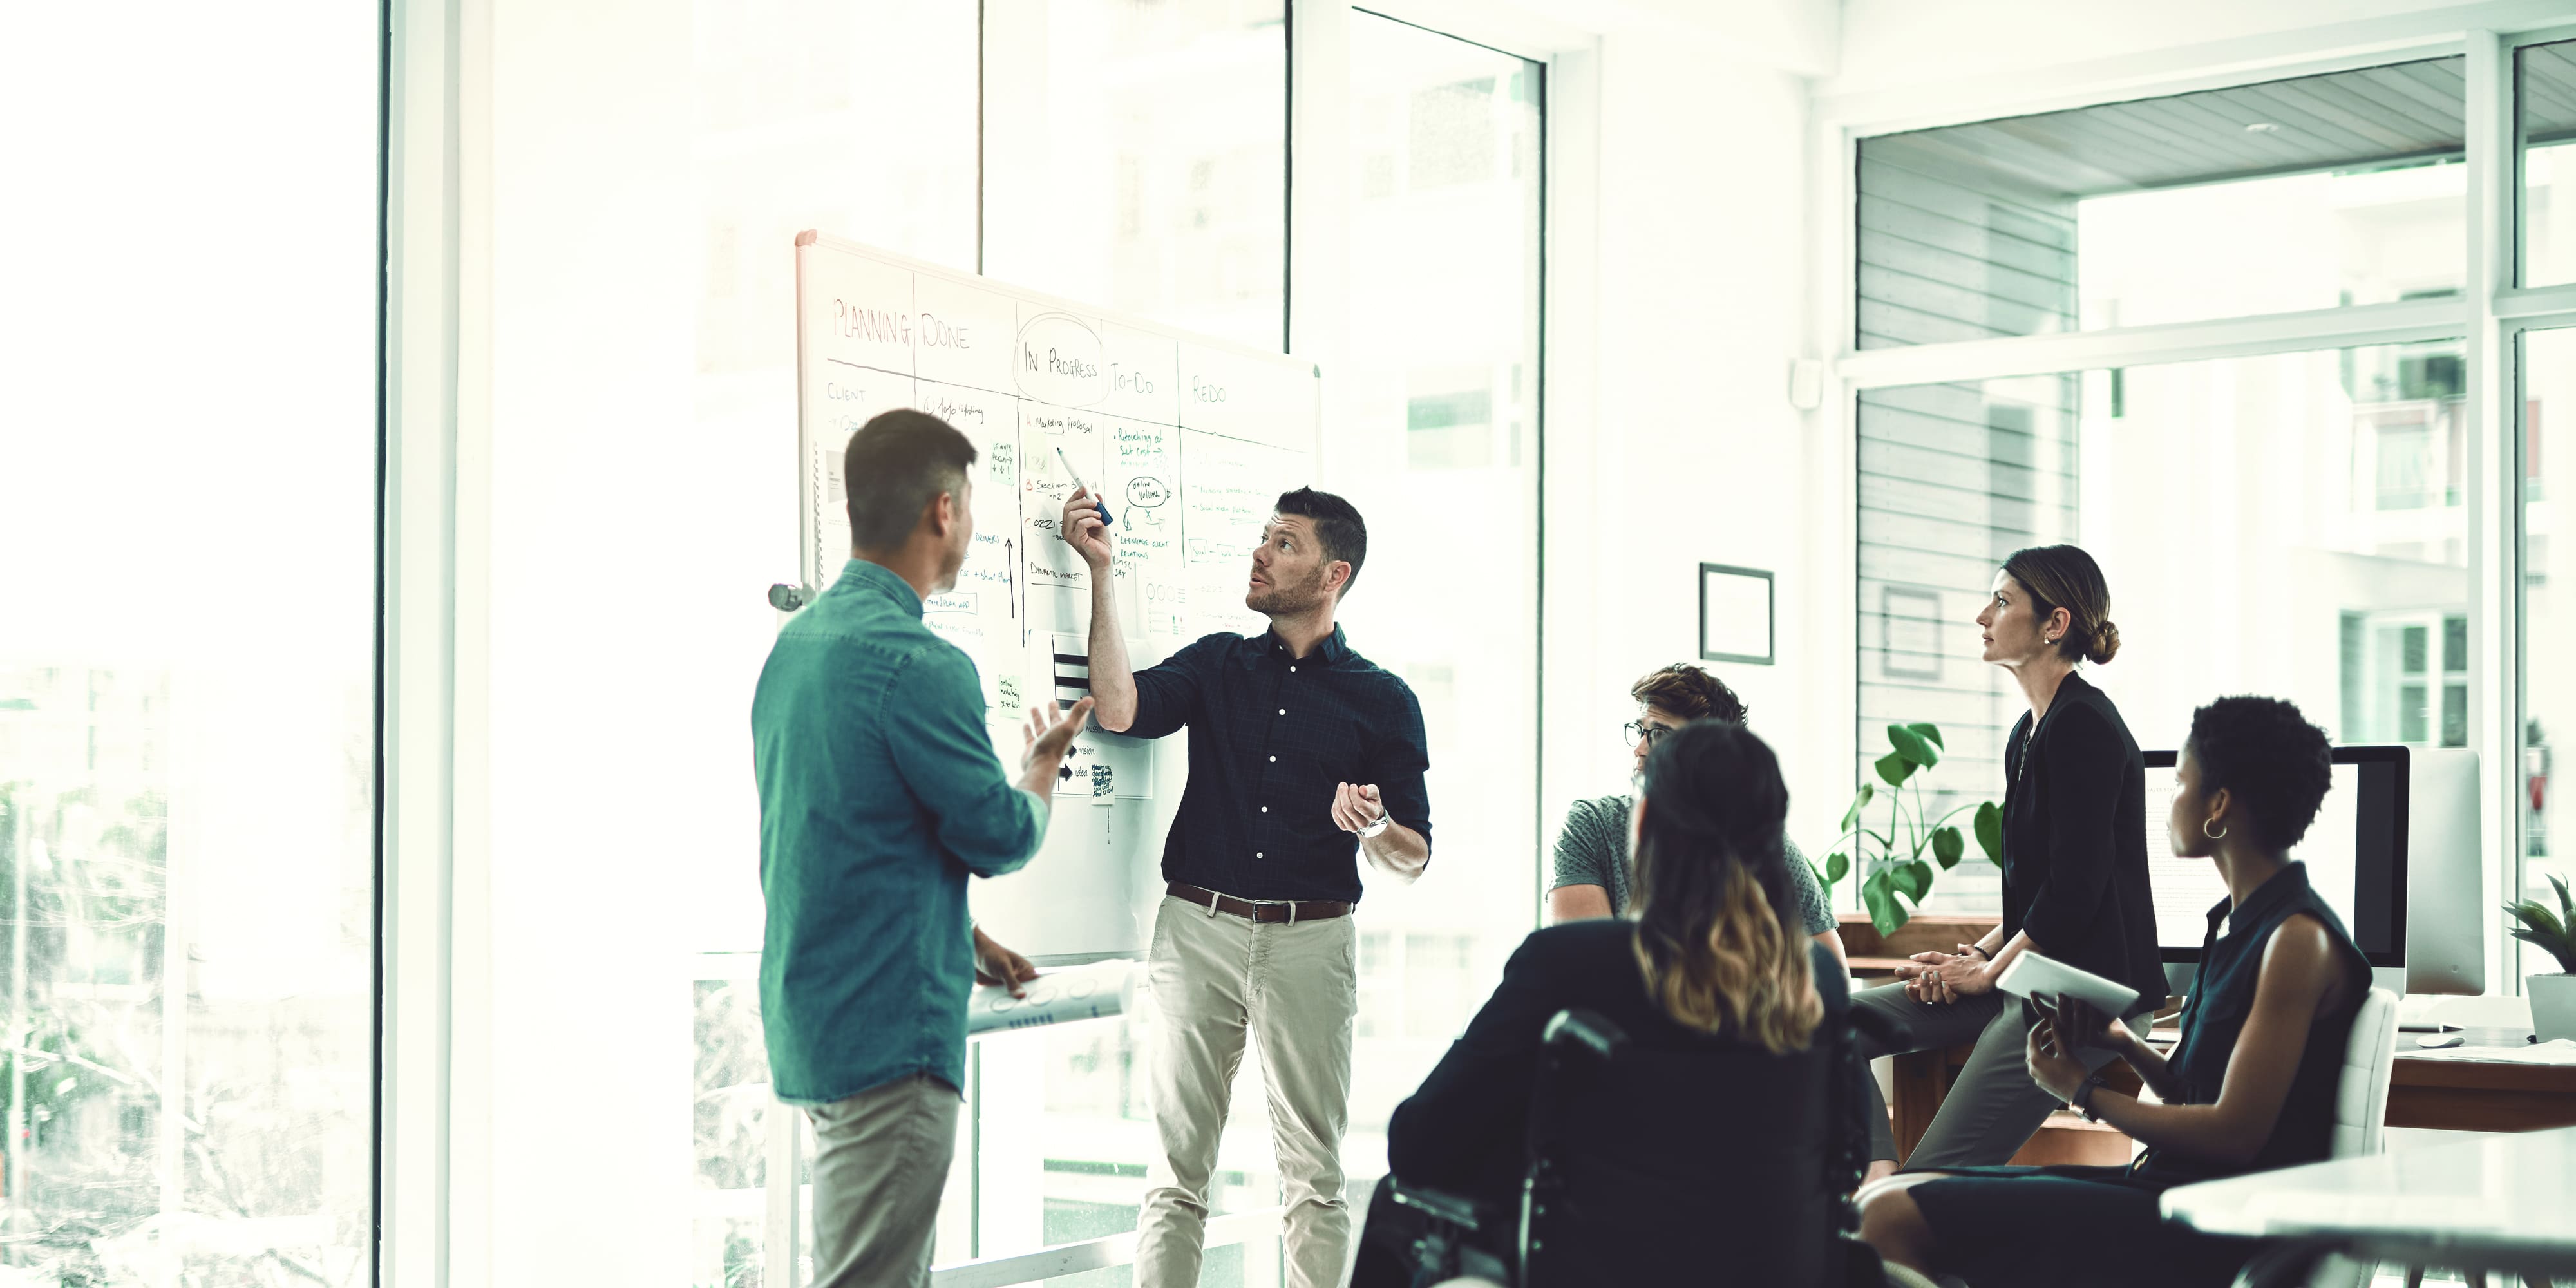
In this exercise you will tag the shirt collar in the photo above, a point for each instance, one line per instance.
(1328, 651)
(859, 574)
(2279, 888)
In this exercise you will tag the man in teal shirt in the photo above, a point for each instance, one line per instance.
(879, 793)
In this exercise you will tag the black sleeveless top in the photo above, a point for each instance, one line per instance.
(2213, 1017)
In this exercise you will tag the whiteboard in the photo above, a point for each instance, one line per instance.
(1190, 439)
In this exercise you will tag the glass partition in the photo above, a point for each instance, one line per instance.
(187, 645)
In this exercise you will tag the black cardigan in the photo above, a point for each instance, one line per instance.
(2075, 840)
(1465, 1129)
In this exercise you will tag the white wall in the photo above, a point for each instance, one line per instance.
(1694, 454)
(606, 678)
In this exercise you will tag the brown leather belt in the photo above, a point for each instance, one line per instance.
(1301, 910)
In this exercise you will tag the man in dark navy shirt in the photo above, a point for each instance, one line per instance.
(1303, 756)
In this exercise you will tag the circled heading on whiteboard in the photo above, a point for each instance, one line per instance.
(1060, 361)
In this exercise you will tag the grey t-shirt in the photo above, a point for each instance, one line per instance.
(1593, 850)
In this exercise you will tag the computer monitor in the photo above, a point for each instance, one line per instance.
(2356, 852)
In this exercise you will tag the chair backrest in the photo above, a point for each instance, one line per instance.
(2361, 1087)
(1670, 1163)
(1664, 1162)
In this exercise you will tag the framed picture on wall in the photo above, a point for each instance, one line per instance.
(1735, 614)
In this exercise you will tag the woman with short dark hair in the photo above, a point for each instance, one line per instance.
(2250, 1086)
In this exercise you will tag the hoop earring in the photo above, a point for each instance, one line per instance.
(2219, 835)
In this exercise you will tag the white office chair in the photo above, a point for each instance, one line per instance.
(2360, 1129)
(2361, 1088)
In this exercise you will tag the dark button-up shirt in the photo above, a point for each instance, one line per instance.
(1271, 735)
(879, 792)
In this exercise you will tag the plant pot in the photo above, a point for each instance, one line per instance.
(2553, 1006)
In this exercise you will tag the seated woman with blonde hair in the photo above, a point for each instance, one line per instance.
(1705, 963)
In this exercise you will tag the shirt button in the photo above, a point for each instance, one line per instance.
(1256, 854)
(1274, 760)
(1283, 711)
(1292, 670)
(1265, 809)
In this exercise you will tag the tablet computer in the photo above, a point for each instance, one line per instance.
(2037, 975)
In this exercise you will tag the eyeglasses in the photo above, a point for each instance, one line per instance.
(1639, 731)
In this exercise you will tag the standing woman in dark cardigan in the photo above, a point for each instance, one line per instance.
(2074, 860)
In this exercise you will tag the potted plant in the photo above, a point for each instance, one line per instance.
(2553, 997)
(1891, 859)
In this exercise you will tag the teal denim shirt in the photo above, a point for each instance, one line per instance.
(879, 792)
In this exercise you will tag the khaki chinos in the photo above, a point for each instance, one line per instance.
(1293, 988)
(880, 1159)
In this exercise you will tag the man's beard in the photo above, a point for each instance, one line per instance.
(1288, 601)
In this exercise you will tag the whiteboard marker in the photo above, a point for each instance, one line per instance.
(1096, 498)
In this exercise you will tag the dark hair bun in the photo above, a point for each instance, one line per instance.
(2106, 643)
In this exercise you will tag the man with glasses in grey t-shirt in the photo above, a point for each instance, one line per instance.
(1592, 850)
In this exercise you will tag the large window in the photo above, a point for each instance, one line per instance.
(2280, 197)
(187, 664)
(1440, 450)
(2244, 513)
(1136, 157)
(2303, 514)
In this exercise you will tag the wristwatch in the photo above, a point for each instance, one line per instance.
(1379, 826)
(2082, 1103)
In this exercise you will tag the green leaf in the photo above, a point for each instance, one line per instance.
(1990, 832)
(64, 1087)
(1885, 912)
(1863, 797)
(2537, 916)
(1837, 866)
(1947, 846)
(1895, 769)
(1931, 733)
(2566, 906)
(1913, 746)
(1914, 879)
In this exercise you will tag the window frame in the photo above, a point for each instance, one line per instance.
(2491, 312)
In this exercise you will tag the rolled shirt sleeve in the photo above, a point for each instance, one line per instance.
(945, 755)
(1398, 758)
(2085, 762)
